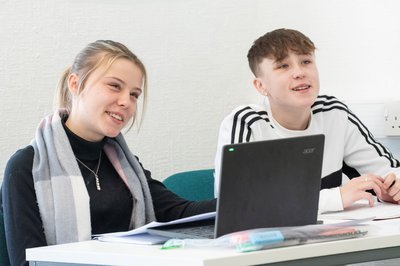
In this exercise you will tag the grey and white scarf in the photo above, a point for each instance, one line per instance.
(61, 192)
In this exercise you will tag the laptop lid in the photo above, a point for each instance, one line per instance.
(270, 183)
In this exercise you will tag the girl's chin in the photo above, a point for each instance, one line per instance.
(112, 131)
(112, 134)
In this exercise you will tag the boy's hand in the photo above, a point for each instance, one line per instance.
(356, 189)
(391, 189)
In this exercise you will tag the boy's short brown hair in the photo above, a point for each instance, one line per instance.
(276, 45)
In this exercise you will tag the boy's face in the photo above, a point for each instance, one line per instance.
(290, 84)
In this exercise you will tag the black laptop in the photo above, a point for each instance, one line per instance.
(271, 183)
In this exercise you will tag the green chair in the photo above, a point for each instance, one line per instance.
(4, 260)
(192, 185)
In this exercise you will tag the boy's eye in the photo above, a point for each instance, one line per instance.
(283, 66)
(306, 62)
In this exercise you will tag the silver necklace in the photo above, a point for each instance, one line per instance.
(96, 176)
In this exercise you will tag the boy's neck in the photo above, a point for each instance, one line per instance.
(292, 119)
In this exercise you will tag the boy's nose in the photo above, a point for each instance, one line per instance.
(298, 72)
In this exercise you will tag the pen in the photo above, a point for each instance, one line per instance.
(391, 185)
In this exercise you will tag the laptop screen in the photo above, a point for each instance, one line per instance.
(271, 183)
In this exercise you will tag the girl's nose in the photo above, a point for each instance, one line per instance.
(124, 99)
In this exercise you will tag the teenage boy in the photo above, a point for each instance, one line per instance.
(283, 63)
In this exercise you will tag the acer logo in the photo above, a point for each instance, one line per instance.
(309, 150)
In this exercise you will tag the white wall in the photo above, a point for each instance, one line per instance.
(195, 53)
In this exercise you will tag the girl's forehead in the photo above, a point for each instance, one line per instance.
(120, 66)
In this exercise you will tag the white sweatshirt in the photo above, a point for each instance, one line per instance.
(347, 141)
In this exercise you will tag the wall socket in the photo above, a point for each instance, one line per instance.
(392, 119)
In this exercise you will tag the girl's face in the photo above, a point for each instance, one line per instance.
(108, 101)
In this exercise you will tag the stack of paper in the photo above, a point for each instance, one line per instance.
(361, 209)
(140, 235)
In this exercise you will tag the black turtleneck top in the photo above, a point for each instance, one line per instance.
(110, 208)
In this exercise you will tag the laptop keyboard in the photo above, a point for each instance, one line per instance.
(204, 231)
(197, 229)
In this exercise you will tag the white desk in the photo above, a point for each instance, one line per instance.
(383, 242)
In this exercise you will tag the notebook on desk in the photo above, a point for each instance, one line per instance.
(271, 183)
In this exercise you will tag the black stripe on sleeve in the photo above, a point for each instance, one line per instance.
(235, 121)
(369, 138)
(322, 105)
(262, 115)
(243, 126)
(242, 121)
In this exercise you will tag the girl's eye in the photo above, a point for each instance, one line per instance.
(135, 94)
(115, 86)
(306, 62)
(283, 66)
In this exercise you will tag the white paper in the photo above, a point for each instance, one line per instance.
(144, 239)
(361, 209)
(140, 235)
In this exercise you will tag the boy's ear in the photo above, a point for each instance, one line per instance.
(73, 83)
(260, 87)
